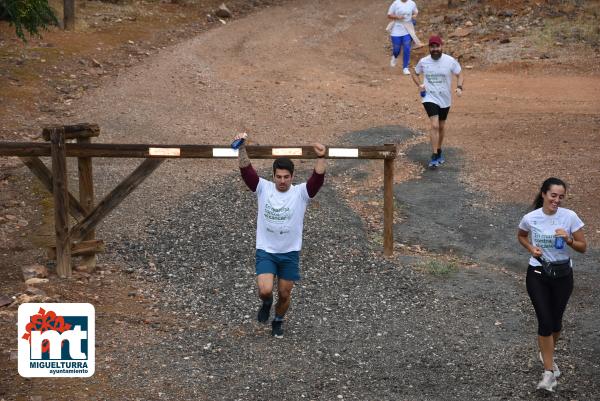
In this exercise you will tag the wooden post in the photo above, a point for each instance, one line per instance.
(388, 207)
(60, 193)
(84, 248)
(86, 199)
(69, 14)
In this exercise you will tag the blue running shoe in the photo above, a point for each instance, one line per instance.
(440, 159)
(433, 163)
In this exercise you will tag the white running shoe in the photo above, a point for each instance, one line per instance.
(393, 61)
(406, 71)
(548, 381)
(554, 365)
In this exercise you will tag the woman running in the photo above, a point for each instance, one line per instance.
(547, 232)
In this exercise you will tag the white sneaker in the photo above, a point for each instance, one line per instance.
(406, 71)
(548, 381)
(393, 61)
(554, 366)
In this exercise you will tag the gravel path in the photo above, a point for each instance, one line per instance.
(360, 327)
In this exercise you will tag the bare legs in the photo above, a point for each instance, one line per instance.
(547, 345)
(436, 133)
(284, 292)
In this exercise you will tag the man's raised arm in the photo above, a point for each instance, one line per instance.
(317, 178)
(249, 175)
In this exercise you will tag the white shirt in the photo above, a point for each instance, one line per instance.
(438, 78)
(280, 217)
(543, 229)
(404, 9)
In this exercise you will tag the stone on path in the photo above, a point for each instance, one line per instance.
(223, 12)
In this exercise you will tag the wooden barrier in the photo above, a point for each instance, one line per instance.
(144, 151)
(80, 239)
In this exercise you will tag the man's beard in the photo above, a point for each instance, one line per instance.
(436, 55)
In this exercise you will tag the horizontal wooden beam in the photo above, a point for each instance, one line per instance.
(24, 149)
(31, 149)
(75, 131)
(83, 248)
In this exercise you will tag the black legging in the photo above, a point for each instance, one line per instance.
(549, 297)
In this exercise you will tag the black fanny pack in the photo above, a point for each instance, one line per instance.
(557, 269)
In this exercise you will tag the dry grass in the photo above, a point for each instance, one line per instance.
(438, 267)
(582, 25)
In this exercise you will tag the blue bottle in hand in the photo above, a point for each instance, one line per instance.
(423, 93)
(559, 242)
(238, 142)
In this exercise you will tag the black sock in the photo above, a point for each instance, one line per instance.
(433, 156)
(439, 152)
(268, 301)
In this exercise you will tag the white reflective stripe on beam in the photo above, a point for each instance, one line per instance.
(164, 151)
(286, 152)
(225, 152)
(342, 152)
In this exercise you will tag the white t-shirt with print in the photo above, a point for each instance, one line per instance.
(543, 229)
(405, 9)
(438, 78)
(280, 217)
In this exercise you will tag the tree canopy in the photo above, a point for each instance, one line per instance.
(27, 16)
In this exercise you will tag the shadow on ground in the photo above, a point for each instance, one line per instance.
(442, 214)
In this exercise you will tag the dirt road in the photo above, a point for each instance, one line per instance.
(363, 328)
(314, 71)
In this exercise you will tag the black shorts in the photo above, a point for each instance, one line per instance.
(433, 109)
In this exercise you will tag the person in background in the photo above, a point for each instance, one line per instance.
(436, 92)
(401, 13)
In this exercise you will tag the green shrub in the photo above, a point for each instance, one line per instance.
(27, 15)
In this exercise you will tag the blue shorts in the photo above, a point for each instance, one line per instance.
(283, 265)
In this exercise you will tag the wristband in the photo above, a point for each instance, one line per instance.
(459, 87)
(321, 157)
(570, 243)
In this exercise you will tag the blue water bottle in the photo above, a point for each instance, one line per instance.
(423, 93)
(559, 242)
(237, 143)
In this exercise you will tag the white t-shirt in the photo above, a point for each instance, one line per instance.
(405, 9)
(280, 217)
(438, 78)
(543, 229)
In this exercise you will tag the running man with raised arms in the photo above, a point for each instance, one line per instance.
(279, 226)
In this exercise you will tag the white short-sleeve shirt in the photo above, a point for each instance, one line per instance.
(543, 229)
(438, 78)
(280, 217)
(404, 9)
